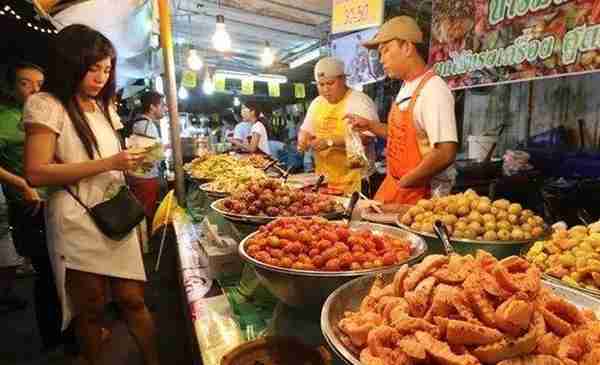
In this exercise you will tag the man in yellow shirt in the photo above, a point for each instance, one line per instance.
(324, 127)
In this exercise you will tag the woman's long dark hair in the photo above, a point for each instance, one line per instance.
(76, 48)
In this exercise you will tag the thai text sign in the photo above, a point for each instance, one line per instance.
(481, 42)
(349, 15)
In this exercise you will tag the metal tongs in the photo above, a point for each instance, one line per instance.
(271, 164)
(351, 206)
(442, 233)
(375, 207)
(286, 174)
(584, 216)
(319, 183)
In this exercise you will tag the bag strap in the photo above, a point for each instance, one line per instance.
(77, 199)
(122, 148)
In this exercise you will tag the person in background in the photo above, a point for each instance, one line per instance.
(24, 202)
(72, 141)
(241, 133)
(146, 187)
(324, 127)
(259, 139)
(421, 130)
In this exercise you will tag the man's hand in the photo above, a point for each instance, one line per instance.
(319, 144)
(32, 198)
(358, 123)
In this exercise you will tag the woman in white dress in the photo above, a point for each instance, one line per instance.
(72, 141)
(259, 138)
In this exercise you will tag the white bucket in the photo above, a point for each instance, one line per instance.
(479, 146)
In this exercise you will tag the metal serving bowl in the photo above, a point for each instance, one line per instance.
(299, 288)
(217, 206)
(500, 249)
(212, 193)
(348, 298)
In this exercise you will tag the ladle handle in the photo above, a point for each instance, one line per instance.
(319, 183)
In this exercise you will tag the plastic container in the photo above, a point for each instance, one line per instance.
(479, 146)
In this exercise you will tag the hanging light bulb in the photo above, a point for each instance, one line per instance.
(268, 57)
(221, 40)
(194, 61)
(208, 86)
(183, 93)
(236, 101)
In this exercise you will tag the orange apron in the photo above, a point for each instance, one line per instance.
(405, 149)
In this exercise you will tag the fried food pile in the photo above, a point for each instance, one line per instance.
(317, 244)
(228, 172)
(570, 255)
(464, 310)
(471, 216)
(257, 160)
(271, 198)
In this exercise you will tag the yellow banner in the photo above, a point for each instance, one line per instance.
(274, 90)
(349, 15)
(219, 83)
(189, 79)
(299, 91)
(247, 87)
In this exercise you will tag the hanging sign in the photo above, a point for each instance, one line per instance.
(189, 79)
(299, 91)
(219, 83)
(350, 15)
(274, 90)
(247, 87)
(482, 42)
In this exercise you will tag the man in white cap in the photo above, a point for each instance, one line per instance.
(421, 130)
(324, 126)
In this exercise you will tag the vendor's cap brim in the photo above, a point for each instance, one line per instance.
(401, 27)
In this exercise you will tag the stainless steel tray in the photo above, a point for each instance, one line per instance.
(464, 240)
(211, 193)
(217, 206)
(311, 288)
(348, 298)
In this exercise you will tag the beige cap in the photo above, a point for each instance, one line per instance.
(329, 67)
(401, 27)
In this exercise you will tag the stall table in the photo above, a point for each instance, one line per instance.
(206, 299)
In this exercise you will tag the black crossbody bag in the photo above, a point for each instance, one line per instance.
(118, 216)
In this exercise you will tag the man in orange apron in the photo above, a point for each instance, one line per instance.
(324, 128)
(421, 130)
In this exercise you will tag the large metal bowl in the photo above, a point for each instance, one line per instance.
(500, 249)
(348, 298)
(217, 206)
(300, 288)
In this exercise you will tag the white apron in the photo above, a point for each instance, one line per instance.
(74, 242)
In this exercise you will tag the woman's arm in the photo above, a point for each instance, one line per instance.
(41, 169)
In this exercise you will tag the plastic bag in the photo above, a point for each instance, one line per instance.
(355, 151)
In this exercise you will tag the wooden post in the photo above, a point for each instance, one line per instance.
(166, 40)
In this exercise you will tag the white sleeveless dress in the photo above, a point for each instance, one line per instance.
(74, 241)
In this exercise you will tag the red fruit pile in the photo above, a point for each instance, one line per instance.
(316, 244)
(273, 199)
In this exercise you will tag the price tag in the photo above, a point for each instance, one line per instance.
(299, 91)
(189, 79)
(274, 91)
(350, 15)
(247, 87)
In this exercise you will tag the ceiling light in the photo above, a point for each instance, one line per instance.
(267, 57)
(208, 86)
(6, 8)
(236, 101)
(194, 61)
(221, 40)
(183, 93)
